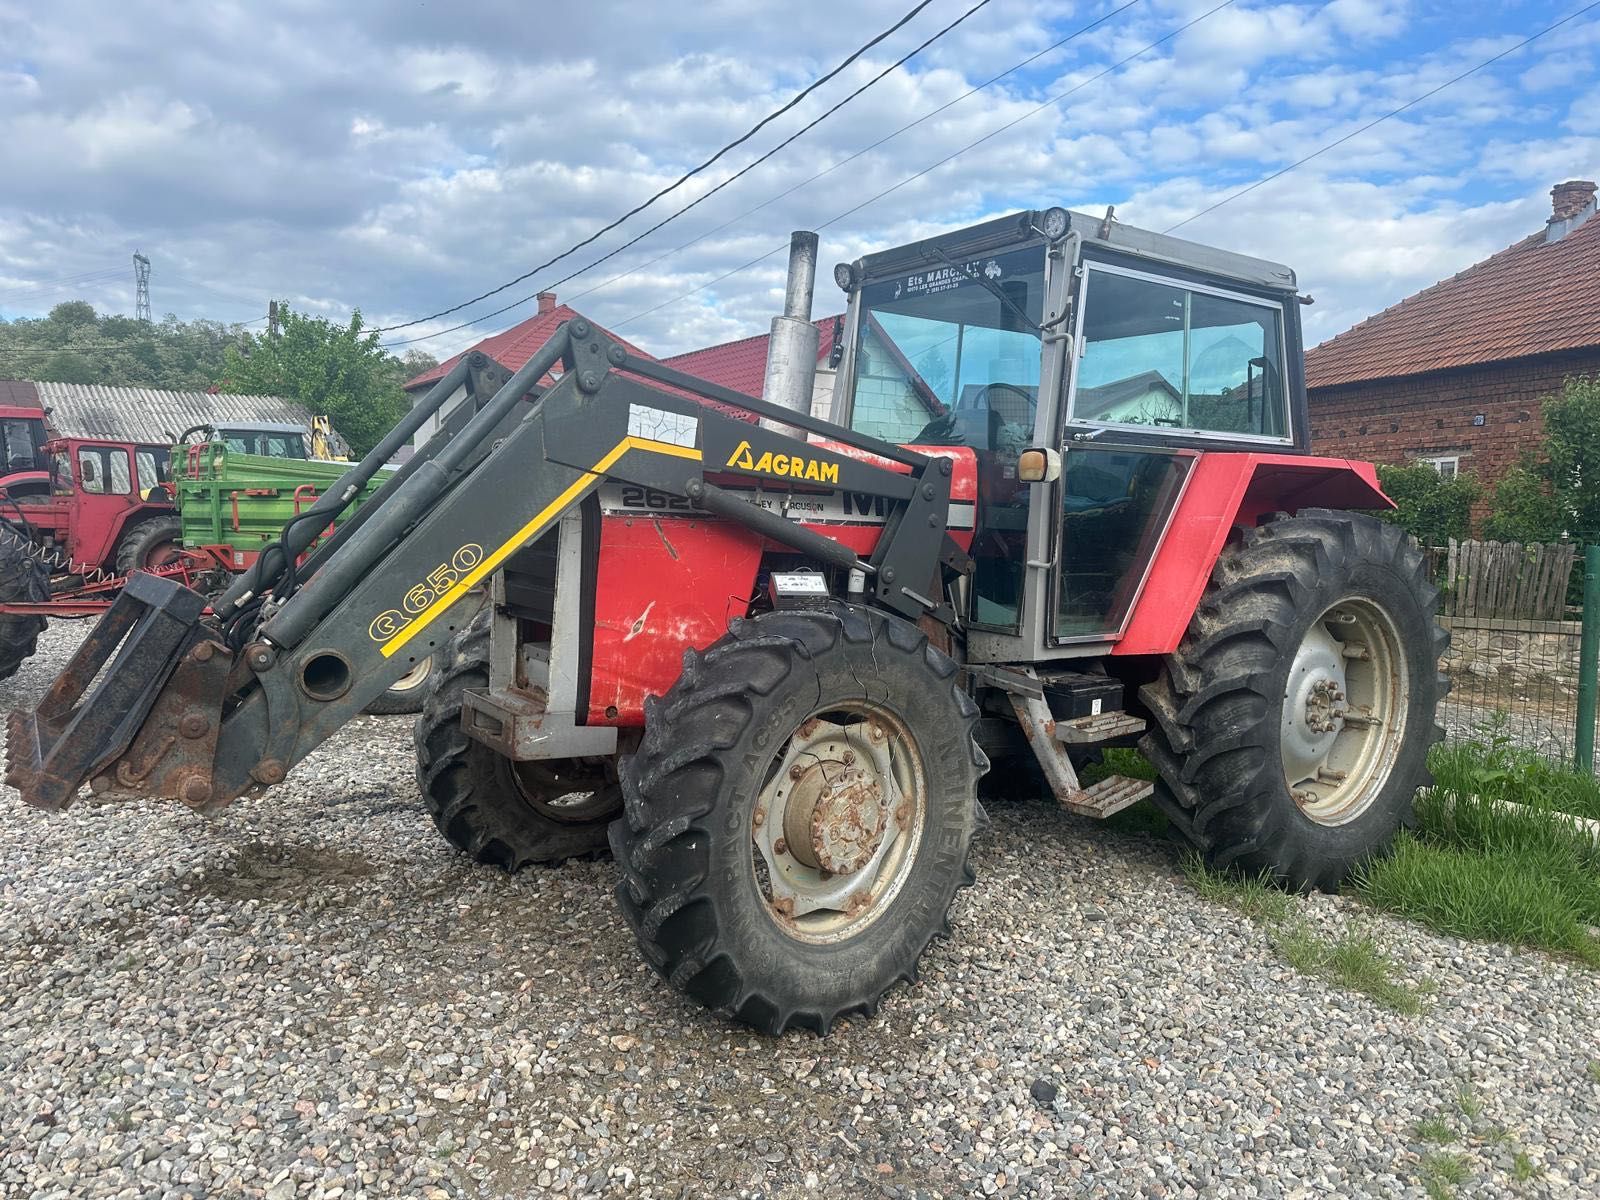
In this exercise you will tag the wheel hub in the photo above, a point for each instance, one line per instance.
(835, 827)
(834, 818)
(1343, 711)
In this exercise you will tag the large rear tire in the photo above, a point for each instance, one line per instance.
(798, 816)
(150, 544)
(503, 813)
(23, 579)
(1292, 726)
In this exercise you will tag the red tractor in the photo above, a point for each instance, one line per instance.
(1066, 501)
(86, 509)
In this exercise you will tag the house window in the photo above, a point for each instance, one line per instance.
(1448, 465)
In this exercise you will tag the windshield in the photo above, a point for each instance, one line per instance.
(949, 354)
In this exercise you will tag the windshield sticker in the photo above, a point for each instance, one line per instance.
(986, 271)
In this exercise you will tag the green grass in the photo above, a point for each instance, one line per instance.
(1435, 1130)
(1353, 960)
(1491, 766)
(1594, 1069)
(1441, 1173)
(1469, 1104)
(1256, 897)
(1524, 1168)
(1497, 864)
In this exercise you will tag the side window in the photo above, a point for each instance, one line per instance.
(1167, 355)
(103, 471)
(154, 466)
(91, 472)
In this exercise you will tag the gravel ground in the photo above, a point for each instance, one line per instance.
(312, 995)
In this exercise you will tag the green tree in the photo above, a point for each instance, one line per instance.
(333, 369)
(1555, 494)
(1431, 508)
(74, 344)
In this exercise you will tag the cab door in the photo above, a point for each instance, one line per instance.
(100, 502)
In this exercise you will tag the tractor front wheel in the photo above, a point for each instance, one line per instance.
(1292, 726)
(150, 544)
(504, 813)
(797, 818)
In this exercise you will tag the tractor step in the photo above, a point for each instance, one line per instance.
(1102, 727)
(1111, 795)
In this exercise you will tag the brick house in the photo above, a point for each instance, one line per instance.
(1454, 376)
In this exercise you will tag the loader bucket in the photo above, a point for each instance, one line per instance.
(92, 711)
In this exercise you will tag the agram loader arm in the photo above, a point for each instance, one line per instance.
(207, 710)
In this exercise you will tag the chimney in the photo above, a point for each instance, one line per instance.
(1572, 203)
(547, 300)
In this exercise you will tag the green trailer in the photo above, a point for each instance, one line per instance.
(233, 505)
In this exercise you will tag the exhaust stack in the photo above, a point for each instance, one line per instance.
(792, 347)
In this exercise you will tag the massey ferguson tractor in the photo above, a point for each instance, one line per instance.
(1065, 501)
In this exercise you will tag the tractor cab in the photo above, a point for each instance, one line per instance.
(1122, 354)
(23, 433)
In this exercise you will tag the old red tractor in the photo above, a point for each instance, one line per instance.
(1066, 501)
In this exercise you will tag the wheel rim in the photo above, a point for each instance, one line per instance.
(573, 792)
(414, 678)
(161, 554)
(1344, 711)
(836, 827)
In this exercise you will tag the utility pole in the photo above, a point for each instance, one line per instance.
(272, 318)
(141, 287)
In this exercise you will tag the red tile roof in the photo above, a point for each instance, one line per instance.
(1534, 297)
(742, 365)
(518, 344)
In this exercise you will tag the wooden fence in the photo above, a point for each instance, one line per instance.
(1505, 580)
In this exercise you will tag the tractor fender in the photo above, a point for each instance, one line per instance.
(25, 483)
(1226, 490)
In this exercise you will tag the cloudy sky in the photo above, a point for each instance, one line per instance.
(401, 157)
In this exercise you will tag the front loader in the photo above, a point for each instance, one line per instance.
(1065, 501)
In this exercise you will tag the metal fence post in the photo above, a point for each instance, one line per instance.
(1588, 654)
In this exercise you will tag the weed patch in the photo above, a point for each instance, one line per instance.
(1352, 960)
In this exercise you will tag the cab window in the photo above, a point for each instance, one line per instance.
(155, 468)
(103, 471)
(1166, 355)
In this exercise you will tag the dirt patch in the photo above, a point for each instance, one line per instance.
(266, 871)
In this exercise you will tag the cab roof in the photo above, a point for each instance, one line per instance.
(1100, 232)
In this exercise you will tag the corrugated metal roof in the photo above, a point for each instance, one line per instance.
(136, 414)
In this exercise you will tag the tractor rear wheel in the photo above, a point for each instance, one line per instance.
(407, 694)
(23, 579)
(797, 818)
(1292, 726)
(150, 544)
(504, 813)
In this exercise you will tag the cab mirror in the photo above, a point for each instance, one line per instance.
(1038, 465)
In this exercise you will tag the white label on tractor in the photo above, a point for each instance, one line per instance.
(677, 429)
(1094, 708)
(800, 583)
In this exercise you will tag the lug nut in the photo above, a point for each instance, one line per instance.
(760, 818)
(796, 771)
(780, 846)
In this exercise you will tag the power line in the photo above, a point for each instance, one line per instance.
(745, 170)
(843, 162)
(1380, 120)
(677, 183)
(51, 285)
(1053, 100)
